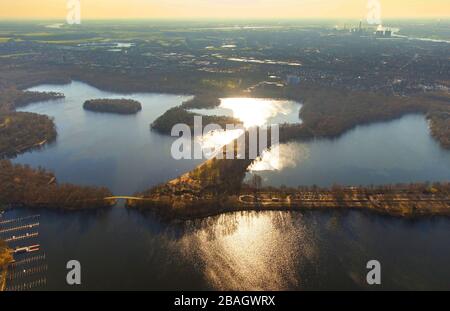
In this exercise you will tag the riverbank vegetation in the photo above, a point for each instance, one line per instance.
(176, 115)
(440, 127)
(21, 185)
(404, 200)
(28, 97)
(202, 101)
(120, 106)
(22, 131)
(12, 98)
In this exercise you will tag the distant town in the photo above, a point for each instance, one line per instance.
(351, 56)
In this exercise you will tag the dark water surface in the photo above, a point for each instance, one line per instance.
(123, 249)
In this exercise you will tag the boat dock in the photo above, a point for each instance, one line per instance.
(29, 268)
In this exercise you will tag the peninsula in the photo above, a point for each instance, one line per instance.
(23, 131)
(21, 185)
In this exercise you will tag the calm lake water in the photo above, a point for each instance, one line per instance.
(399, 151)
(125, 249)
(116, 151)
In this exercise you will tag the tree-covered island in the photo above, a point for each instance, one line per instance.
(120, 106)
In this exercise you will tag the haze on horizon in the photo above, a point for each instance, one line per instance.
(226, 9)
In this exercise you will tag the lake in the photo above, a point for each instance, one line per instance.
(256, 111)
(399, 151)
(322, 250)
(127, 249)
(116, 151)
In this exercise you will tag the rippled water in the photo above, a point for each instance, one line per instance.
(121, 249)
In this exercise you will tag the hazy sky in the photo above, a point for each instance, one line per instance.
(223, 8)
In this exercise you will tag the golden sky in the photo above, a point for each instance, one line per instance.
(92, 9)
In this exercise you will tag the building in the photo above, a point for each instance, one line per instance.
(383, 32)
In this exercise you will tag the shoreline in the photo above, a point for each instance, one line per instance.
(398, 204)
(206, 215)
(214, 209)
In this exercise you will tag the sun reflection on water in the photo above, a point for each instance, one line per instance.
(280, 157)
(252, 112)
(258, 111)
(251, 251)
(212, 142)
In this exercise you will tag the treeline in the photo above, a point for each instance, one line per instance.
(176, 115)
(295, 132)
(203, 101)
(426, 188)
(330, 113)
(440, 127)
(28, 97)
(217, 177)
(21, 131)
(120, 106)
(408, 200)
(11, 98)
(221, 176)
(21, 185)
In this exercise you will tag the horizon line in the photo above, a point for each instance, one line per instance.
(223, 18)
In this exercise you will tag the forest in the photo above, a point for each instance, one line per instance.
(11, 98)
(180, 200)
(440, 127)
(120, 106)
(21, 185)
(330, 114)
(202, 101)
(28, 97)
(21, 131)
(176, 115)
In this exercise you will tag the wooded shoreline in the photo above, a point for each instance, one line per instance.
(417, 200)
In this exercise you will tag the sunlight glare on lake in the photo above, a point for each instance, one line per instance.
(213, 141)
(248, 251)
(251, 112)
(258, 111)
(280, 157)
